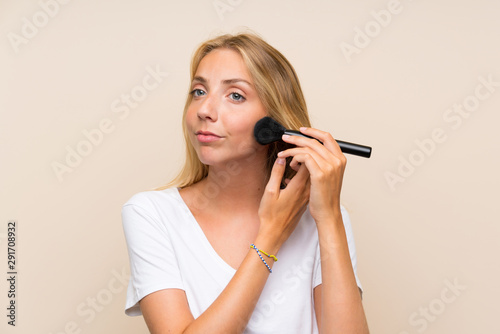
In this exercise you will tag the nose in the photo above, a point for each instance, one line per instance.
(208, 109)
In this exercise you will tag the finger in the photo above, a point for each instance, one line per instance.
(302, 142)
(295, 165)
(300, 180)
(302, 151)
(308, 161)
(273, 185)
(327, 139)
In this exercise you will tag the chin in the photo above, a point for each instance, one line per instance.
(218, 156)
(218, 159)
(210, 159)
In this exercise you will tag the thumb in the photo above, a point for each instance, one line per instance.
(277, 172)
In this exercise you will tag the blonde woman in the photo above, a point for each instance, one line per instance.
(248, 238)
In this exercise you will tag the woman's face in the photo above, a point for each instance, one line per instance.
(224, 109)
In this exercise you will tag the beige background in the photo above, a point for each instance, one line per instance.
(415, 238)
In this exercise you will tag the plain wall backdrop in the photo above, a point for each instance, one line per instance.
(91, 99)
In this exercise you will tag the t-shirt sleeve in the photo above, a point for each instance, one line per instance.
(352, 251)
(153, 264)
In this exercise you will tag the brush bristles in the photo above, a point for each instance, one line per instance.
(267, 131)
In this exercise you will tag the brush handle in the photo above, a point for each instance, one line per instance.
(345, 147)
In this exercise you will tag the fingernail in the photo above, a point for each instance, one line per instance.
(302, 128)
(280, 161)
(286, 136)
(280, 153)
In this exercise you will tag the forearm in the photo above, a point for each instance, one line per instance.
(341, 305)
(279, 212)
(232, 310)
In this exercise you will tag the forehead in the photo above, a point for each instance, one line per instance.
(223, 64)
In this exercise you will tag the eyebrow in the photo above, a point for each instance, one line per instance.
(225, 82)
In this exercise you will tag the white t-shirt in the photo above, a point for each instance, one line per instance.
(168, 249)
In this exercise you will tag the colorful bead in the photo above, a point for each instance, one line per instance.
(270, 256)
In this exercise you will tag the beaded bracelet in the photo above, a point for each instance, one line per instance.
(266, 254)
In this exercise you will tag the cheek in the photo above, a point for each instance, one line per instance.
(242, 123)
(243, 141)
(240, 128)
(190, 118)
(190, 121)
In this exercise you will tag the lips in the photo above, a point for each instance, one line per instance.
(207, 136)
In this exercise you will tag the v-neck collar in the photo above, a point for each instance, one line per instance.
(202, 237)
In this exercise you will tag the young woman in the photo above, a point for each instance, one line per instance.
(203, 250)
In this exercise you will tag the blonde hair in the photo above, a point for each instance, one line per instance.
(277, 86)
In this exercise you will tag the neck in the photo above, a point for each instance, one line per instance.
(237, 185)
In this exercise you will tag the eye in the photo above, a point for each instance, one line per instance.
(237, 97)
(197, 92)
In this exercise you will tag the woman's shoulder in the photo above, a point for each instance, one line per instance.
(153, 198)
(155, 207)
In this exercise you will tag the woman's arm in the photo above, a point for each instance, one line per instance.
(167, 311)
(337, 300)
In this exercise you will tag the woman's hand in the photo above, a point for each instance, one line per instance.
(326, 164)
(338, 304)
(280, 209)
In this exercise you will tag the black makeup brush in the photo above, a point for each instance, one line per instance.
(267, 131)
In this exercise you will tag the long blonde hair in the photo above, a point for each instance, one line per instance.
(277, 86)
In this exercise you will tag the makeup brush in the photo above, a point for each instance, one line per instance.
(267, 131)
